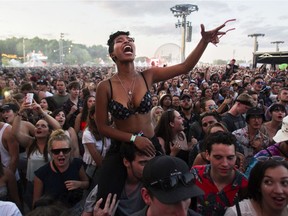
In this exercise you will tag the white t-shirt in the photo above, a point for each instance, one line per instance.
(246, 209)
(101, 147)
(9, 209)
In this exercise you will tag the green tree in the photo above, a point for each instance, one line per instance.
(78, 54)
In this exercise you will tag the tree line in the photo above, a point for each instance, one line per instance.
(72, 53)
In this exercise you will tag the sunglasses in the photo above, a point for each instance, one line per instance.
(63, 150)
(186, 99)
(208, 123)
(259, 83)
(171, 182)
(266, 158)
(213, 107)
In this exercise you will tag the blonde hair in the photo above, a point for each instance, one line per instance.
(216, 124)
(58, 135)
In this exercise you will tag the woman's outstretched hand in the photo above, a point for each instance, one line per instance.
(214, 35)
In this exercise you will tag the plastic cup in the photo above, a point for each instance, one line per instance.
(29, 98)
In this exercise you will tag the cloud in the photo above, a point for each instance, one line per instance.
(151, 22)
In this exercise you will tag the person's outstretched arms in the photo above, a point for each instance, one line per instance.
(212, 36)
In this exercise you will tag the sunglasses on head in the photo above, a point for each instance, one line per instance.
(63, 150)
(266, 158)
(173, 181)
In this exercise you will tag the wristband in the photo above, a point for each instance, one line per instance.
(132, 139)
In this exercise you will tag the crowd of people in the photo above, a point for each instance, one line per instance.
(173, 140)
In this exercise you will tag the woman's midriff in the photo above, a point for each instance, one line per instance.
(135, 124)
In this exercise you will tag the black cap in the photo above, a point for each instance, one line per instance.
(165, 167)
(183, 96)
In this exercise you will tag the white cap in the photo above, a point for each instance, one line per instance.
(282, 134)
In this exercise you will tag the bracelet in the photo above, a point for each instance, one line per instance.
(133, 138)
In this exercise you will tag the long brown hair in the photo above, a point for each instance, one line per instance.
(164, 130)
(92, 125)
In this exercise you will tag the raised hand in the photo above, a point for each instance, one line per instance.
(109, 208)
(214, 35)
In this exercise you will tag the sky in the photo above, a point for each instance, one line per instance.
(151, 23)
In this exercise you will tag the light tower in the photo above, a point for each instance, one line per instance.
(255, 46)
(61, 48)
(182, 11)
(277, 44)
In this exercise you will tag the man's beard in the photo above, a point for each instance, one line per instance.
(187, 108)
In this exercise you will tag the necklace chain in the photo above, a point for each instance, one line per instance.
(128, 91)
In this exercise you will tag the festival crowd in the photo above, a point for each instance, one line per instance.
(219, 134)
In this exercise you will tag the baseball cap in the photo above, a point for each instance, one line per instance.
(282, 134)
(246, 99)
(183, 96)
(169, 179)
(42, 82)
(9, 106)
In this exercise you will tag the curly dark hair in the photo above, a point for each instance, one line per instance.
(219, 137)
(112, 37)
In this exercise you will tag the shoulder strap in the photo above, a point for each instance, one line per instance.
(270, 154)
(5, 125)
(145, 81)
(238, 207)
(109, 80)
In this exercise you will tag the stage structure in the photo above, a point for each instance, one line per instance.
(182, 11)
